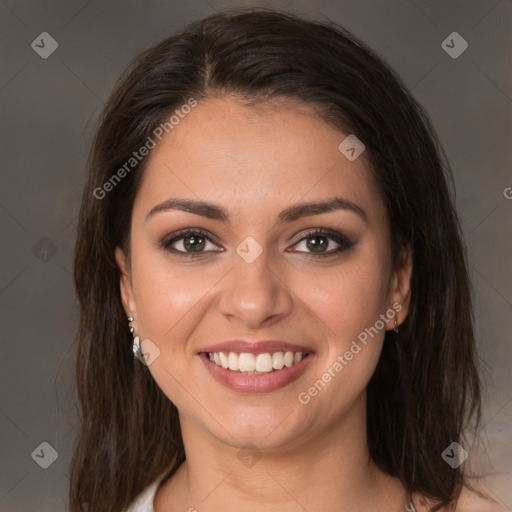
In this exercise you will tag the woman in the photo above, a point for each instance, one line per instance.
(270, 209)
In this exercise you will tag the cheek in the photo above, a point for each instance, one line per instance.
(169, 301)
(348, 298)
(168, 296)
(348, 301)
(348, 308)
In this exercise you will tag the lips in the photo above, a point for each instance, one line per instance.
(259, 371)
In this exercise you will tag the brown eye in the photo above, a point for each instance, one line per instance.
(194, 242)
(318, 243)
(188, 243)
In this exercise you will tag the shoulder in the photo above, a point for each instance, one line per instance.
(494, 489)
(486, 494)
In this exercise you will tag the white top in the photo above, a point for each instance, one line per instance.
(144, 501)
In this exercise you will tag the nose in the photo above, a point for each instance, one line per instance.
(254, 293)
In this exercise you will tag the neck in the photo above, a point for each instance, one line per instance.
(329, 470)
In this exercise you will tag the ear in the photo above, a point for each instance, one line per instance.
(400, 285)
(127, 296)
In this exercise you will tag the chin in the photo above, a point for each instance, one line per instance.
(265, 428)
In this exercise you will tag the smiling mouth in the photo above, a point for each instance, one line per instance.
(256, 364)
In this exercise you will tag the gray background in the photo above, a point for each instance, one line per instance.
(49, 108)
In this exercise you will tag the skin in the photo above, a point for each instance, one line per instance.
(255, 162)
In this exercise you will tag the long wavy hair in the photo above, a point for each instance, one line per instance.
(426, 390)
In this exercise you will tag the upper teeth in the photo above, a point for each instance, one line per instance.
(259, 363)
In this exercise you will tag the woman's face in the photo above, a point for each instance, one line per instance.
(258, 273)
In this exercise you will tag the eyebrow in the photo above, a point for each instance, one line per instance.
(290, 214)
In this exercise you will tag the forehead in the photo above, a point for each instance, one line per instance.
(271, 154)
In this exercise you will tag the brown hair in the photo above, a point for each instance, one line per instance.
(425, 390)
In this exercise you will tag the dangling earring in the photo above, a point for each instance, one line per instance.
(396, 327)
(136, 340)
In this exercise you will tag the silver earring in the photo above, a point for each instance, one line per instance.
(396, 326)
(130, 320)
(136, 340)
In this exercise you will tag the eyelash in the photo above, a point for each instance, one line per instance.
(341, 239)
